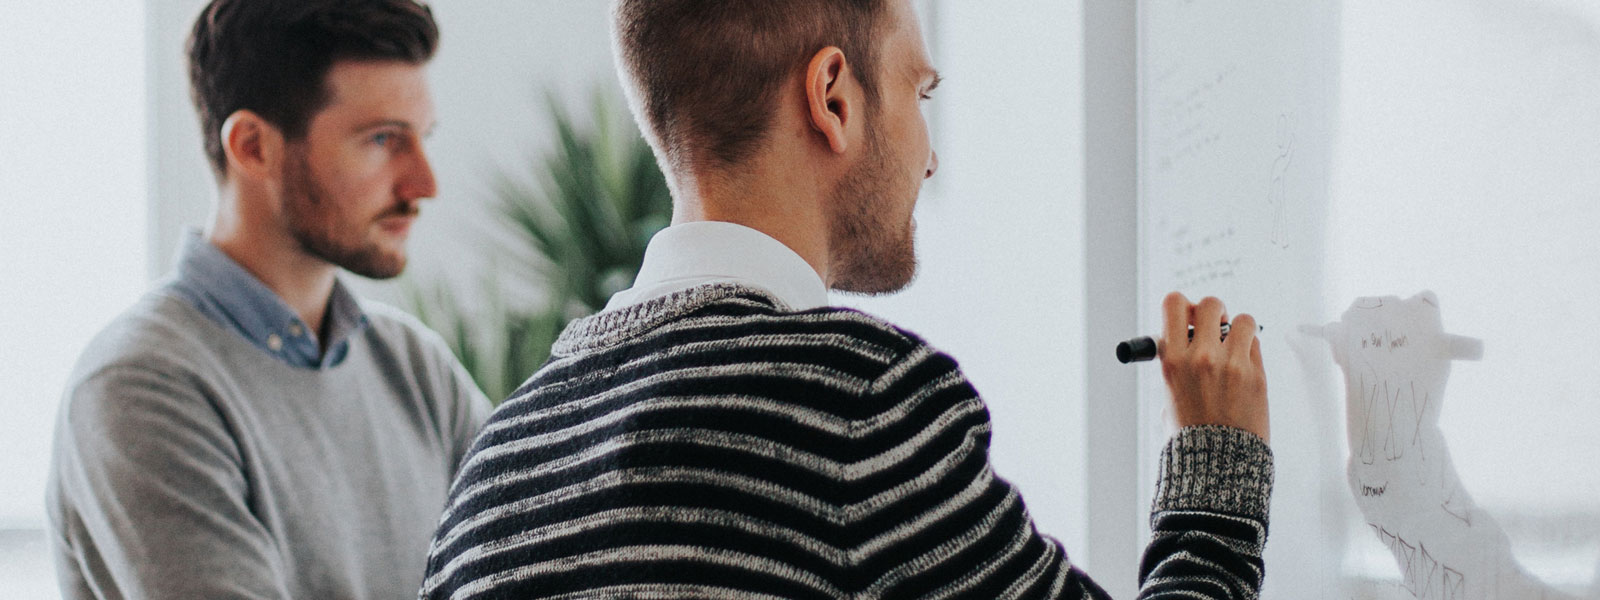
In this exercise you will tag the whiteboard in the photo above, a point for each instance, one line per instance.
(1407, 196)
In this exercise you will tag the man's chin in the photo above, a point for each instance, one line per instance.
(875, 290)
(376, 265)
(883, 280)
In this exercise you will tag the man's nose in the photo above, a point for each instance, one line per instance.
(419, 181)
(933, 164)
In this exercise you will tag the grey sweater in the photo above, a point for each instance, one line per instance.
(714, 444)
(188, 463)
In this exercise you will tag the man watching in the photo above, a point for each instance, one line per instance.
(718, 432)
(249, 429)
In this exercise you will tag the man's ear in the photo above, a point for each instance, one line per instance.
(254, 146)
(831, 96)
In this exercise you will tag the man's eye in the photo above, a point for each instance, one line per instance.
(382, 139)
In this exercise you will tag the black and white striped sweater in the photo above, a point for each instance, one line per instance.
(710, 444)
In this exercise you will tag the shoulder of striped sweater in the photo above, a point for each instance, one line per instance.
(864, 326)
(875, 327)
(738, 310)
(759, 311)
(906, 358)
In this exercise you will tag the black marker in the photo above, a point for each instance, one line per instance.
(1141, 349)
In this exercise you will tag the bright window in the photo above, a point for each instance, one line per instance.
(72, 232)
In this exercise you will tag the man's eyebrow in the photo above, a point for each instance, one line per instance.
(384, 123)
(395, 123)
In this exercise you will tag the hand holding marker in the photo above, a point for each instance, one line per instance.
(1141, 349)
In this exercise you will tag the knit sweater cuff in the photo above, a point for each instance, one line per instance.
(1216, 469)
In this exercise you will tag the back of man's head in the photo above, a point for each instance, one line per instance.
(272, 56)
(705, 75)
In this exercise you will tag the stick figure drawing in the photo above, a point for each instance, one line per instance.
(1276, 193)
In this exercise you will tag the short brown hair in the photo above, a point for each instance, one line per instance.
(272, 56)
(706, 73)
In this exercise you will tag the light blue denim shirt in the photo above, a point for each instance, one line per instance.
(228, 294)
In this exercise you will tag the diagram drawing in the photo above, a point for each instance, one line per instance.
(1394, 418)
(1421, 574)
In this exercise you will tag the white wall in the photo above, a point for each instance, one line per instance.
(1111, 293)
(180, 184)
(71, 235)
(71, 196)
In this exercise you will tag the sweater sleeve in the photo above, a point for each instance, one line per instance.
(1209, 517)
(149, 495)
(465, 406)
(1209, 523)
(459, 406)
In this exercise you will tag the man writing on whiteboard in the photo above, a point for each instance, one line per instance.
(719, 432)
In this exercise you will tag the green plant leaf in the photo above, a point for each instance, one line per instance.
(584, 224)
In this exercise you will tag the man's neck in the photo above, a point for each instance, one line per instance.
(785, 208)
(303, 282)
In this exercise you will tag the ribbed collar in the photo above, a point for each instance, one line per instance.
(610, 327)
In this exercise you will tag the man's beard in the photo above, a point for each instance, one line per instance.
(871, 253)
(312, 223)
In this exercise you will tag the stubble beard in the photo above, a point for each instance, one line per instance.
(311, 223)
(872, 253)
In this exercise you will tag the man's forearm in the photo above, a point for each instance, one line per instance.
(1209, 521)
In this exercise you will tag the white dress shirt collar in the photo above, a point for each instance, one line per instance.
(694, 254)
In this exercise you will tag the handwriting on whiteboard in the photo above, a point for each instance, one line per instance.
(1204, 256)
(1185, 114)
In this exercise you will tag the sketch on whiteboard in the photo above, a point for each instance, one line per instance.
(1277, 194)
(1396, 360)
(1422, 574)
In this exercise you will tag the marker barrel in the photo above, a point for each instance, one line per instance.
(1137, 350)
(1144, 348)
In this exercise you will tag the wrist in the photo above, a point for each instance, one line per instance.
(1216, 468)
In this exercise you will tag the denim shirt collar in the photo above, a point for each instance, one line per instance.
(226, 293)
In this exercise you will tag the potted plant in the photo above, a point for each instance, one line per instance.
(578, 236)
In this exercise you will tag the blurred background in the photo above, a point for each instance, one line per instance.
(101, 170)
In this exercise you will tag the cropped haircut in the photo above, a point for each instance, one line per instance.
(272, 56)
(706, 74)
